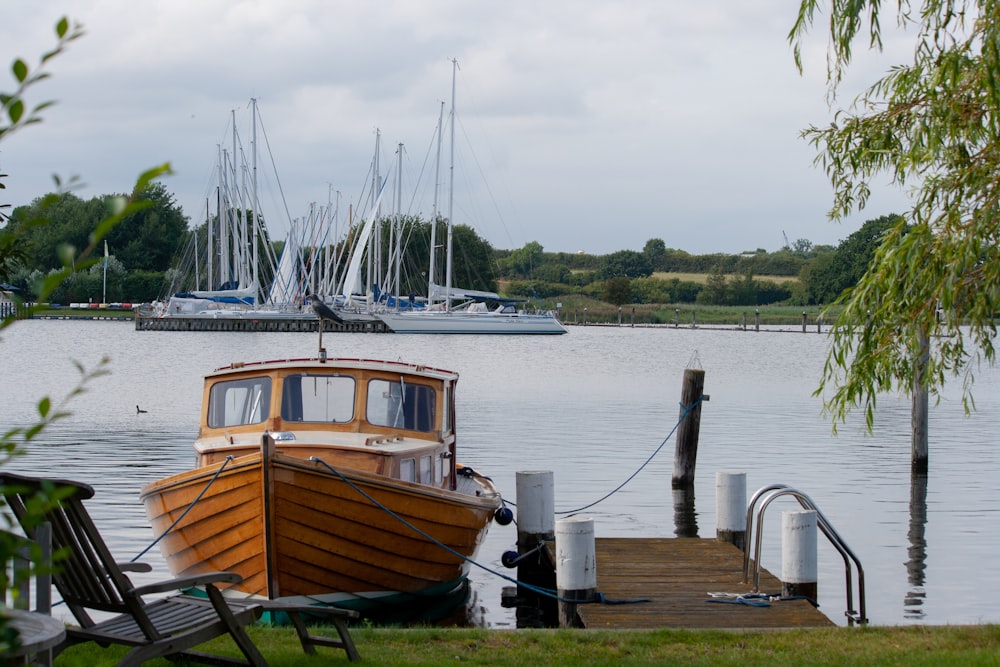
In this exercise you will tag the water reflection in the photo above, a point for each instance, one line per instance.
(916, 565)
(685, 516)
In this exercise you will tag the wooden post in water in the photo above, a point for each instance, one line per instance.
(686, 447)
(536, 516)
(576, 567)
(918, 417)
(756, 319)
(731, 507)
(677, 317)
(803, 321)
(798, 554)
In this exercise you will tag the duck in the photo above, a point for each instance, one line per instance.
(139, 411)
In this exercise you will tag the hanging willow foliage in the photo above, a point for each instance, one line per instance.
(934, 126)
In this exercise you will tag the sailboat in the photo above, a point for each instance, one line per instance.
(238, 251)
(471, 315)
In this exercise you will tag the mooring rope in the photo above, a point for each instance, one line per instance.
(687, 410)
(184, 513)
(598, 598)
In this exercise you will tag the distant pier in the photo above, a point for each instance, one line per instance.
(290, 323)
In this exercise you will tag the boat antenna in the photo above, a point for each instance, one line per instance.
(323, 312)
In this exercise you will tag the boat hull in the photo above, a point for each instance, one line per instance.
(301, 530)
(459, 322)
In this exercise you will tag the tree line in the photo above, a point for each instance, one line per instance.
(150, 254)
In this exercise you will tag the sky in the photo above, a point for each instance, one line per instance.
(586, 126)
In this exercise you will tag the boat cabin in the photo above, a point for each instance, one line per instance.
(388, 418)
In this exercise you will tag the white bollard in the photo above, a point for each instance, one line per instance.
(576, 566)
(731, 508)
(798, 554)
(536, 502)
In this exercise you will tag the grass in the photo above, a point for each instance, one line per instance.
(578, 309)
(913, 646)
(702, 278)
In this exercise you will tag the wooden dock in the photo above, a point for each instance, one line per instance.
(676, 575)
(307, 322)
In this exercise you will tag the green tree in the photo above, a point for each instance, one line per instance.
(831, 274)
(624, 264)
(716, 290)
(147, 239)
(617, 290)
(655, 251)
(523, 262)
(150, 238)
(932, 125)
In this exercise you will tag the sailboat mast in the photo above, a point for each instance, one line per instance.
(432, 268)
(256, 208)
(375, 246)
(398, 246)
(451, 188)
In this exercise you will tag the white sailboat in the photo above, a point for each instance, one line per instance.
(472, 316)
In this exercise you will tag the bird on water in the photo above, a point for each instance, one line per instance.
(139, 411)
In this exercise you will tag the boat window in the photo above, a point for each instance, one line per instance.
(318, 398)
(237, 402)
(425, 470)
(407, 470)
(401, 404)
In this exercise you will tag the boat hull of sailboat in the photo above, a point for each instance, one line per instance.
(460, 322)
(300, 530)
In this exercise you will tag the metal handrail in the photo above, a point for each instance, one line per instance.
(775, 491)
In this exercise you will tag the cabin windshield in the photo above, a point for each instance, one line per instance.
(400, 404)
(238, 402)
(318, 398)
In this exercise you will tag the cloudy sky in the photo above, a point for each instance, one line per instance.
(583, 125)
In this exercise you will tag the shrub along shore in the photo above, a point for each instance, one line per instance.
(581, 311)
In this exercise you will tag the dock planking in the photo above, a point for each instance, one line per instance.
(676, 575)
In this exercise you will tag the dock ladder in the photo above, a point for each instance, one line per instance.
(766, 496)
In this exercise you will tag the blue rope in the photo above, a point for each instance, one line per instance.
(683, 416)
(184, 513)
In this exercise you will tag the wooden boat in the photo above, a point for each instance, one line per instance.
(326, 482)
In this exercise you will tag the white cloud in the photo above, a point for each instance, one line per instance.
(596, 125)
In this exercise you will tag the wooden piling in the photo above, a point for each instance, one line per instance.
(686, 448)
(918, 417)
(536, 518)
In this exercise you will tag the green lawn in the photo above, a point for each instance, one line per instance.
(913, 646)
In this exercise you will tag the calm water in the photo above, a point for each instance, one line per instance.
(591, 406)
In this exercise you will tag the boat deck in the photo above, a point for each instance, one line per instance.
(676, 575)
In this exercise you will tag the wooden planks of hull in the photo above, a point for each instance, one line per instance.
(326, 536)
